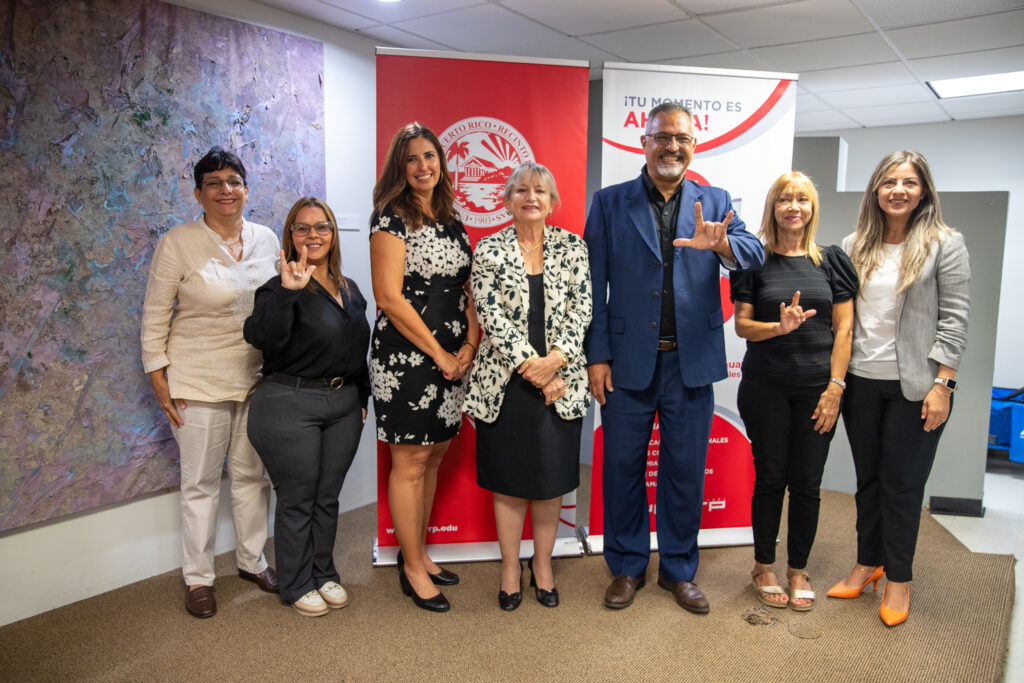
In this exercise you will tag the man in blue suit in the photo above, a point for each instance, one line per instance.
(655, 345)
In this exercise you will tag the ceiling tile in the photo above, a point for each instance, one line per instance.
(881, 97)
(896, 114)
(807, 103)
(390, 12)
(889, 14)
(737, 59)
(322, 12)
(849, 78)
(826, 119)
(780, 24)
(483, 28)
(990, 105)
(661, 42)
(708, 6)
(567, 48)
(966, 35)
(970, 64)
(581, 17)
(867, 48)
(394, 37)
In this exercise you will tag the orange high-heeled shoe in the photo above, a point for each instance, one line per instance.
(841, 591)
(892, 617)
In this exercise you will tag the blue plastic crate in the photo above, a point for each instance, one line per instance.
(1006, 422)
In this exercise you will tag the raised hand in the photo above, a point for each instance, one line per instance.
(296, 274)
(793, 316)
(707, 234)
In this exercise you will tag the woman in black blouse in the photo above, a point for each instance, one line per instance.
(307, 413)
(796, 314)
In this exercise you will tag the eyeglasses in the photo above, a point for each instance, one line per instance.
(663, 139)
(302, 229)
(233, 183)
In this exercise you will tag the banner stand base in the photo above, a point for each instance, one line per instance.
(706, 538)
(386, 556)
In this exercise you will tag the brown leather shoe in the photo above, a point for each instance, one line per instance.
(687, 595)
(621, 592)
(200, 602)
(266, 579)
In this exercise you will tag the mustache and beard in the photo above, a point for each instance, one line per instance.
(671, 164)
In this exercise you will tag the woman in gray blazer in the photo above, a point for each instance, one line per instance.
(909, 334)
(528, 389)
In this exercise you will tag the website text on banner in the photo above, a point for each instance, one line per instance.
(743, 122)
(486, 129)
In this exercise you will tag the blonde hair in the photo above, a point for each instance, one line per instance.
(526, 172)
(924, 229)
(333, 258)
(769, 232)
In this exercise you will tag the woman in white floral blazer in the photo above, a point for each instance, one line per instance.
(528, 389)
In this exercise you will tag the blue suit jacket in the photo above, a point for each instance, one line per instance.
(627, 271)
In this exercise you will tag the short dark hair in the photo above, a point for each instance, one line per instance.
(666, 108)
(216, 159)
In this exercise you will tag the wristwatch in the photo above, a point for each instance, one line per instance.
(947, 382)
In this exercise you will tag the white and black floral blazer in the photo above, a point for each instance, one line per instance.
(501, 294)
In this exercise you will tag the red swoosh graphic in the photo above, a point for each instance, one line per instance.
(739, 130)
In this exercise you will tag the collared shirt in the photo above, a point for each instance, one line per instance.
(666, 214)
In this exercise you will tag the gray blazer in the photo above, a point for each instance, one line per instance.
(931, 316)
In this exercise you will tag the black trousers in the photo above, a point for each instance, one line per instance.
(893, 457)
(787, 453)
(307, 439)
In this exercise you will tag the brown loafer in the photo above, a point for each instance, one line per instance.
(621, 592)
(266, 579)
(687, 595)
(200, 602)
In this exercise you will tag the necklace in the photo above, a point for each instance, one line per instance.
(527, 250)
(231, 243)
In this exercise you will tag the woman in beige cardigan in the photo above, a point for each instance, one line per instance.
(200, 291)
(528, 389)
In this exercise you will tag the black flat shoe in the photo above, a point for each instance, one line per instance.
(442, 578)
(437, 603)
(546, 598)
(509, 601)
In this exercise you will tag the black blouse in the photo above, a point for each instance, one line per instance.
(802, 357)
(307, 334)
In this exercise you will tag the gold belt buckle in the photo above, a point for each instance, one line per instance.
(337, 382)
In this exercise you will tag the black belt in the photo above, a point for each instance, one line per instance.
(667, 345)
(307, 382)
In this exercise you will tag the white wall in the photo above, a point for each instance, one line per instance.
(973, 155)
(56, 563)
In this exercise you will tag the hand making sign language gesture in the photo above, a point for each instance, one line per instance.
(793, 316)
(708, 234)
(295, 275)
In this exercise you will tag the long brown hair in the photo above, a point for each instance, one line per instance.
(769, 232)
(924, 228)
(333, 258)
(392, 189)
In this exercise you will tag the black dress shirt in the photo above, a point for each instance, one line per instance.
(666, 213)
(307, 334)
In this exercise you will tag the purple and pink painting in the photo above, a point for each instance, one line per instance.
(107, 105)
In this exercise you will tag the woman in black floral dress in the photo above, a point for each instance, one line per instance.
(423, 342)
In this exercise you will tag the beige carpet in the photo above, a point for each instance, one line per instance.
(958, 627)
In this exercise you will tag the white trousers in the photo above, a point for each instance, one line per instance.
(213, 431)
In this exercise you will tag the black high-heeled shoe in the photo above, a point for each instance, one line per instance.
(442, 578)
(510, 601)
(546, 598)
(437, 603)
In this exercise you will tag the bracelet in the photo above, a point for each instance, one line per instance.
(560, 352)
(471, 344)
(838, 381)
(522, 366)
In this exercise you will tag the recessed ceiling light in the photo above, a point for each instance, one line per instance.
(977, 85)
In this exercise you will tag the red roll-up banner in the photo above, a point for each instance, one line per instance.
(491, 113)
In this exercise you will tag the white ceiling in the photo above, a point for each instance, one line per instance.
(862, 63)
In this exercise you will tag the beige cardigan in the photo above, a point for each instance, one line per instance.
(197, 299)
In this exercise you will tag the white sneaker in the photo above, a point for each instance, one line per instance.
(334, 594)
(311, 605)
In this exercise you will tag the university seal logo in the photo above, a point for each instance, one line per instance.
(482, 152)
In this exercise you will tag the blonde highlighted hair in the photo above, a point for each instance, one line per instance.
(923, 230)
(333, 258)
(797, 182)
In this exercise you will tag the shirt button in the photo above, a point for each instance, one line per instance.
(656, 294)
(654, 324)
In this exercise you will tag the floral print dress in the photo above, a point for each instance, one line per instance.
(413, 402)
